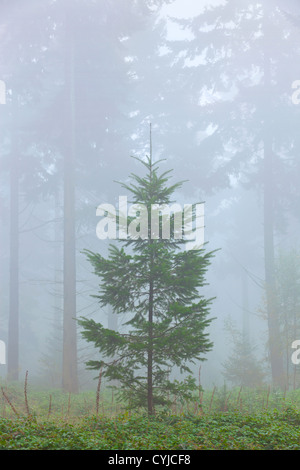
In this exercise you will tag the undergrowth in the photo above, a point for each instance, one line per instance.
(244, 419)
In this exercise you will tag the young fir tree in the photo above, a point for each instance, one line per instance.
(157, 284)
(242, 368)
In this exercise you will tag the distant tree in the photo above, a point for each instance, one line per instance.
(62, 127)
(157, 285)
(242, 368)
(18, 139)
(287, 278)
(237, 110)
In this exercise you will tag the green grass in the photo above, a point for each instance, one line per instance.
(240, 419)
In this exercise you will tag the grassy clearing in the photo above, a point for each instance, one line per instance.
(228, 420)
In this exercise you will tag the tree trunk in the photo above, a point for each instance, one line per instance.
(272, 304)
(55, 369)
(276, 359)
(245, 303)
(150, 353)
(13, 322)
(150, 317)
(70, 378)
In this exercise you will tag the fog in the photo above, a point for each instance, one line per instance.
(80, 83)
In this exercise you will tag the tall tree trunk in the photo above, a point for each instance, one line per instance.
(56, 370)
(272, 304)
(13, 322)
(150, 352)
(276, 359)
(150, 316)
(70, 377)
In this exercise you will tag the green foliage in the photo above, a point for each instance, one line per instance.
(267, 430)
(158, 286)
(252, 419)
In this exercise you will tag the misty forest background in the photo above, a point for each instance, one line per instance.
(83, 80)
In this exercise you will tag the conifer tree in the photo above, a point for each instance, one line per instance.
(156, 284)
(242, 368)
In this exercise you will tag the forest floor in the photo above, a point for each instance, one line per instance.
(228, 420)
